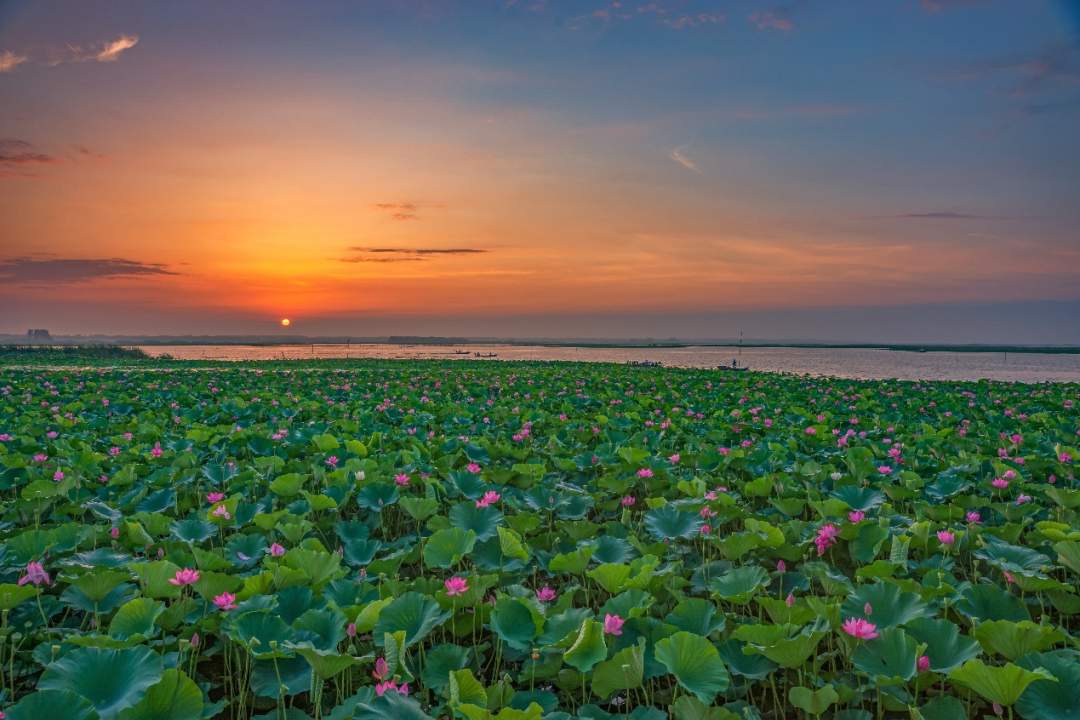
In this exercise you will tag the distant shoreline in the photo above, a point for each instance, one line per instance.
(264, 341)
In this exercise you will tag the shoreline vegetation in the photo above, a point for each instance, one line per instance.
(17, 344)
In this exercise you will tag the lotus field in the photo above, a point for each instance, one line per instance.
(409, 540)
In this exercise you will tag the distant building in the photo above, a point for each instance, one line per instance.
(39, 334)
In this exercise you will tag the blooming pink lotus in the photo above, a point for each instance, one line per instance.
(332, 461)
(225, 601)
(613, 624)
(215, 497)
(546, 594)
(490, 498)
(456, 586)
(645, 473)
(221, 512)
(856, 516)
(388, 686)
(674, 459)
(156, 450)
(628, 501)
(402, 479)
(973, 517)
(860, 629)
(473, 468)
(884, 469)
(945, 537)
(826, 538)
(35, 574)
(1000, 483)
(186, 576)
(276, 550)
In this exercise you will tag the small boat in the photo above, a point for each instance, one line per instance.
(461, 352)
(645, 363)
(488, 355)
(729, 368)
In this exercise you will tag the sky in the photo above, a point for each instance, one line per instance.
(888, 171)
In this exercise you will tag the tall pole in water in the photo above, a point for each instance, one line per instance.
(740, 343)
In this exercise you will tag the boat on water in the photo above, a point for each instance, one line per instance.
(486, 355)
(729, 368)
(461, 352)
(645, 363)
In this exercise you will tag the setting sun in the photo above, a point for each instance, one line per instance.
(286, 322)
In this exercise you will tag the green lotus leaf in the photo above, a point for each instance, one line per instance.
(112, 680)
(588, 648)
(42, 704)
(377, 496)
(1013, 558)
(483, 521)
(511, 544)
(446, 548)
(891, 656)
(465, 688)
(945, 646)
(669, 523)
(610, 576)
(989, 602)
(439, 661)
(1013, 640)
(1047, 700)
(695, 663)
(625, 670)
(513, 622)
(696, 615)
(998, 684)
(12, 595)
(174, 697)
(944, 707)
(1068, 552)
(889, 605)
(814, 702)
(739, 585)
(416, 614)
(135, 617)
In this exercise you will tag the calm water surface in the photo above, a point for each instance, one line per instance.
(853, 363)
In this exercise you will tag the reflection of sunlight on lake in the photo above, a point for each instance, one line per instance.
(842, 362)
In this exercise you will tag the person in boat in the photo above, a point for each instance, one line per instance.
(734, 363)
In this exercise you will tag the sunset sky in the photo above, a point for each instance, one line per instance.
(886, 170)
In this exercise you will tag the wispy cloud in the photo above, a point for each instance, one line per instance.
(679, 156)
(20, 152)
(398, 210)
(398, 254)
(941, 215)
(9, 61)
(775, 19)
(31, 270)
(111, 51)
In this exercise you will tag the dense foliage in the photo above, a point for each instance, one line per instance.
(414, 540)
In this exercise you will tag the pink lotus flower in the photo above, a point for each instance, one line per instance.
(385, 687)
(856, 516)
(884, 469)
(332, 461)
(546, 594)
(628, 501)
(473, 468)
(156, 450)
(789, 600)
(456, 586)
(276, 550)
(58, 475)
(114, 451)
(195, 640)
(114, 532)
(645, 473)
(923, 663)
(811, 430)
(781, 566)
(1023, 499)
(945, 537)
(826, 538)
(401, 479)
(1000, 483)
(187, 576)
(225, 601)
(215, 497)
(35, 574)
(674, 459)
(859, 628)
(613, 624)
(221, 512)
(381, 669)
(490, 498)
(973, 517)
(350, 630)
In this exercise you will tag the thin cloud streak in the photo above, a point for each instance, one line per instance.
(30, 270)
(680, 157)
(111, 51)
(9, 61)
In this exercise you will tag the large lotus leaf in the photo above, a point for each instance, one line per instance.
(258, 630)
(45, 704)
(135, 617)
(814, 702)
(695, 663)
(696, 615)
(377, 496)
(610, 576)
(324, 628)
(945, 646)
(588, 648)
(668, 523)
(465, 688)
(414, 613)
(513, 622)
(944, 707)
(511, 545)
(288, 675)
(483, 521)
(439, 661)
(625, 670)
(889, 605)
(112, 680)
(858, 497)
(740, 584)
(558, 626)
(193, 529)
(325, 663)
(751, 665)
(391, 706)
(989, 602)
(175, 697)
(781, 644)
(446, 548)
(12, 595)
(98, 583)
(1047, 700)
(1068, 552)
(1013, 558)
(1013, 640)
(608, 549)
(890, 656)
(998, 684)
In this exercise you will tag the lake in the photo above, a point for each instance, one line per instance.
(839, 362)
